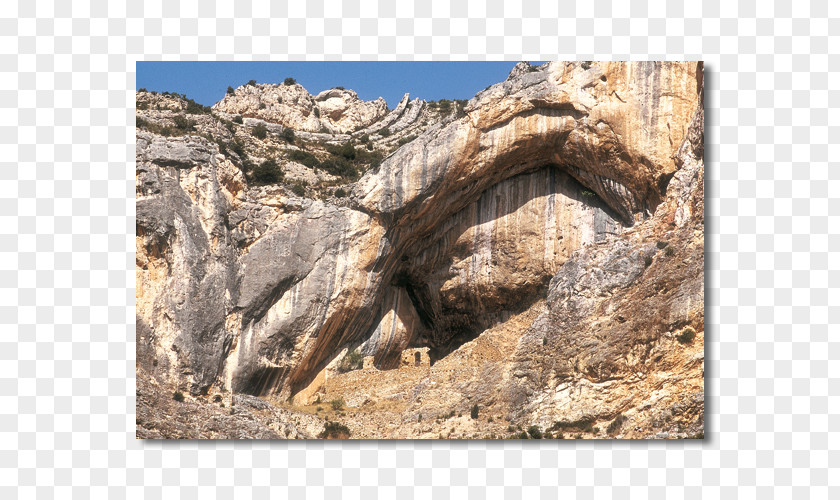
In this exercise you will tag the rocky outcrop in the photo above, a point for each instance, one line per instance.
(545, 200)
(335, 110)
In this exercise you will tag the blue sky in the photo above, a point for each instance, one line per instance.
(206, 82)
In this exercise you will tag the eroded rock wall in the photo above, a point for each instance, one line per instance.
(253, 291)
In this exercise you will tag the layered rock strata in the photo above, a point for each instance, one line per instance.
(551, 190)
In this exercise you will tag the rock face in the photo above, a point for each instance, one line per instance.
(544, 246)
(335, 110)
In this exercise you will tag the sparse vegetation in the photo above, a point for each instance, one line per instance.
(267, 172)
(298, 189)
(583, 424)
(289, 81)
(687, 335)
(251, 83)
(353, 360)
(230, 90)
(178, 396)
(661, 244)
(474, 411)
(669, 251)
(340, 193)
(337, 404)
(648, 260)
(317, 112)
(183, 123)
(385, 132)
(181, 126)
(535, 432)
(237, 119)
(406, 140)
(259, 131)
(616, 424)
(334, 430)
(339, 166)
(586, 193)
(289, 135)
(304, 158)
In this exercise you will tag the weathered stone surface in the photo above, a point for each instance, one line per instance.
(293, 106)
(516, 244)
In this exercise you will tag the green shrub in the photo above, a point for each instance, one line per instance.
(583, 424)
(364, 139)
(474, 411)
(385, 132)
(406, 140)
(298, 189)
(334, 430)
(616, 424)
(260, 131)
(337, 404)
(648, 260)
(237, 119)
(268, 172)
(251, 83)
(669, 251)
(289, 81)
(445, 105)
(230, 90)
(353, 360)
(289, 135)
(661, 244)
(687, 335)
(339, 166)
(535, 432)
(317, 112)
(178, 396)
(195, 108)
(340, 193)
(346, 151)
(182, 123)
(588, 194)
(304, 158)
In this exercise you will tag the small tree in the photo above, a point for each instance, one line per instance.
(237, 119)
(230, 90)
(178, 396)
(251, 83)
(317, 112)
(289, 81)
(474, 411)
(337, 404)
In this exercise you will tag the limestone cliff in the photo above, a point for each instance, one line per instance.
(541, 246)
